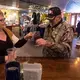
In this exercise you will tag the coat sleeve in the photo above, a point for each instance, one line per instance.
(66, 41)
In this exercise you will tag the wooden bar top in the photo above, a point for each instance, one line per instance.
(53, 69)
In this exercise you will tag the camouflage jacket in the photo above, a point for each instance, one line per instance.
(62, 36)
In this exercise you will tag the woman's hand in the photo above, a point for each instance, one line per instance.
(10, 57)
(28, 36)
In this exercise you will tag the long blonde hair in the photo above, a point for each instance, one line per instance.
(6, 29)
(1, 13)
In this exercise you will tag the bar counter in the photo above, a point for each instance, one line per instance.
(53, 69)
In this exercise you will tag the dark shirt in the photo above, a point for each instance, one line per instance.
(78, 27)
(4, 45)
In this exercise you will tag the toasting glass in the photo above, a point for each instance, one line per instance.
(35, 37)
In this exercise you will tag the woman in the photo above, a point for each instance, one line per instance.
(9, 40)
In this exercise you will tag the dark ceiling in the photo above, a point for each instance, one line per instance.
(38, 2)
(59, 3)
(63, 4)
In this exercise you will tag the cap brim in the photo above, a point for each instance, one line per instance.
(50, 17)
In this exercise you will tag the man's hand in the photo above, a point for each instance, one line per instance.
(43, 42)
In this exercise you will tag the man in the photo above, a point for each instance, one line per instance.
(58, 36)
(78, 29)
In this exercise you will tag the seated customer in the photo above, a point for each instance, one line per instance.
(58, 36)
(8, 39)
(78, 29)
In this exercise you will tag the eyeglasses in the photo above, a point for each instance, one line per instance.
(1, 20)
